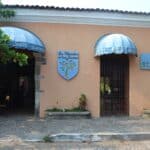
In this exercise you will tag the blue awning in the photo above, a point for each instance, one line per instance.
(115, 44)
(23, 39)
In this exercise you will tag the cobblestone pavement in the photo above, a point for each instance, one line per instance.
(111, 145)
(29, 127)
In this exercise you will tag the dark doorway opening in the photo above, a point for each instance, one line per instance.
(114, 84)
(17, 87)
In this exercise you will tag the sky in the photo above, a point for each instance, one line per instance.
(129, 5)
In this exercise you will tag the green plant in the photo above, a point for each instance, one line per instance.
(47, 139)
(74, 109)
(55, 110)
(82, 102)
(81, 106)
(8, 54)
(6, 13)
(105, 85)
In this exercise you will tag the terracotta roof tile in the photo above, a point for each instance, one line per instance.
(75, 9)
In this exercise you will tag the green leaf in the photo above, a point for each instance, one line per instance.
(8, 54)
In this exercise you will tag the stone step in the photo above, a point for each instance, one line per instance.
(87, 137)
(68, 115)
(146, 113)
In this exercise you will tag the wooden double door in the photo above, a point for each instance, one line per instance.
(114, 85)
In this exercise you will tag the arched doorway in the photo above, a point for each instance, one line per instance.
(17, 86)
(113, 50)
(22, 82)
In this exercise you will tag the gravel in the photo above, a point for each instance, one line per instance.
(26, 126)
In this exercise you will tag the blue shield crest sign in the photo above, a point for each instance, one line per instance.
(68, 64)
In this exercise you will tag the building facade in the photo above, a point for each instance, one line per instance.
(60, 29)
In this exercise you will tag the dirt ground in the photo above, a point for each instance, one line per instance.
(111, 145)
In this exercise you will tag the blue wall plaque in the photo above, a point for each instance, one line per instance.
(145, 61)
(68, 64)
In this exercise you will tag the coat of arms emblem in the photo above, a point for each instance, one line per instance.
(67, 64)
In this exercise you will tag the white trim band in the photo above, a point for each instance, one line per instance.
(81, 17)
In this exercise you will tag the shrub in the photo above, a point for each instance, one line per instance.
(82, 102)
(47, 139)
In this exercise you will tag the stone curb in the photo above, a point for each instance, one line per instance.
(98, 137)
(68, 115)
(90, 137)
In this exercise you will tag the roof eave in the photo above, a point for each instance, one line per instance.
(74, 16)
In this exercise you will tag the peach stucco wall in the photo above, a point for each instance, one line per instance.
(58, 92)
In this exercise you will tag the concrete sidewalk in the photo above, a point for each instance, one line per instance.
(29, 128)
